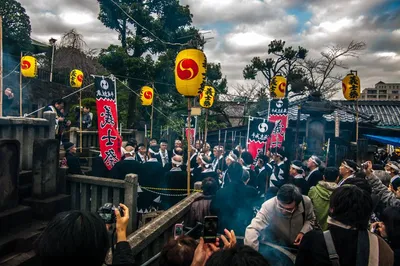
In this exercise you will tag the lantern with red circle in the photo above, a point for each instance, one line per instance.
(146, 95)
(28, 66)
(277, 87)
(76, 78)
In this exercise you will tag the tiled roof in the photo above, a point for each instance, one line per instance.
(385, 114)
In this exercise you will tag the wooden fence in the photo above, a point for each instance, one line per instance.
(147, 241)
(89, 193)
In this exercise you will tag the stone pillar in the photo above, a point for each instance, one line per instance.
(45, 166)
(11, 214)
(9, 169)
(27, 149)
(51, 117)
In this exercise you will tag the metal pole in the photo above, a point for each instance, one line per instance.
(20, 91)
(248, 132)
(1, 66)
(52, 60)
(296, 141)
(357, 120)
(151, 118)
(189, 148)
(205, 127)
(80, 121)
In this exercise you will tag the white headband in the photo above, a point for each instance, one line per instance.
(207, 165)
(231, 158)
(314, 160)
(393, 166)
(155, 153)
(176, 162)
(296, 167)
(348, 166)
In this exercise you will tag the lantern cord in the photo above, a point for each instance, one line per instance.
(69, 95)
(158, 110)
(140, 25)
(12, 71)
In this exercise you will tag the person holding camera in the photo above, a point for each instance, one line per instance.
(81, 236)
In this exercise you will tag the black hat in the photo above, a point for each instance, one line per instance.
(68, 145)
(264, 158)
(141, 145)
(247, 158)
(280, 152)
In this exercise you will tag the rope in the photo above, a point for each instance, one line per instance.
(151, 190)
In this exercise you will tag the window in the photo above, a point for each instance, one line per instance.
(395, 97)
(371, 96)
(371, 91)
(382, 91)
(395, 92)
(382, 96)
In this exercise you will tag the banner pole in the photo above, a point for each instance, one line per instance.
(80, 121)
(189, 148)
(20, 90)
(248, 132)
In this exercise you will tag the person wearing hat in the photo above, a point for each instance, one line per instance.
(347, 169)
(174, 179)
(247, 162)
(315, 174)
(141, 155)
(280, 172)
(151, 175)
(297, 172)
(74, 165)
(126, 166)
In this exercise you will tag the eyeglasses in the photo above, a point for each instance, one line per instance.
(283, 209)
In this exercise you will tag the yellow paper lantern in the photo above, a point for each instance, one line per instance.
(76, 78)
(146, 95)
(190, 72)
(28, 66)
(277, 87)
(207, 97)
(351, 87)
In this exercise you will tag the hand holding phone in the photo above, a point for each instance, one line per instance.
(178, 231)
(210, 229)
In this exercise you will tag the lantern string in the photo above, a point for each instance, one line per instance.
(12, 71)
(140, 25)
(158, 110)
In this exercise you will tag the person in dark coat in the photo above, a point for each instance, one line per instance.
(350, 211)
(218, 163)
(99, 168)
(206, 170)
(315, 174)
(263, 177)
(297, 172)
(280, 172)
(247, 163)
(165, 156)
(234, 203)
(126, 166)
(150, 176)
(174, 179)
(141, 155)
(74, 166)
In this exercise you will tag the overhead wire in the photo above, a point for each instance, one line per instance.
(143, 27)
(12, 71)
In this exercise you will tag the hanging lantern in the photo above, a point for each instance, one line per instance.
(351, 87)
(76, 78)
(28, 66)
(146, 95)
(190, 71)
(207, 97)
(277, 87)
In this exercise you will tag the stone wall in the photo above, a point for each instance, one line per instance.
(26, 130)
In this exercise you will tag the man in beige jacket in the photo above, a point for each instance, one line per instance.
(284, 218)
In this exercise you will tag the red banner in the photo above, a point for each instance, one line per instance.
(278, 115)
(107, 120)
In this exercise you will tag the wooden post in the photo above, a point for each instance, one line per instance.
(189, 147)
(357, 120)
(80, 120)
(131, 187)
(1, 66)
(20, 91)
(151, 119)
(205, 127)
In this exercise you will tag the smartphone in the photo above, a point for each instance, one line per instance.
(210, 229)
(178, 230)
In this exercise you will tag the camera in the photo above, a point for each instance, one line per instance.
(364, 165)
(107, 213)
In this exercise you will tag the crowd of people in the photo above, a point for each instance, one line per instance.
(324, 215)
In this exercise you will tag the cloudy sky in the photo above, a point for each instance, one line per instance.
(243, 29)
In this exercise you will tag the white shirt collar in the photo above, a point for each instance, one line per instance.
(344, 179)
(299, 176)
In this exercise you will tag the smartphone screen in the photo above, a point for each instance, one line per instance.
(210, 229)
(178, 230)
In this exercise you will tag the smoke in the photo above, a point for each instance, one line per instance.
(11, 80)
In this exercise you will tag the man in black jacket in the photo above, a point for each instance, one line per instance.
(350, 210)
(315, 174)
(127, 166)
(74, 166)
